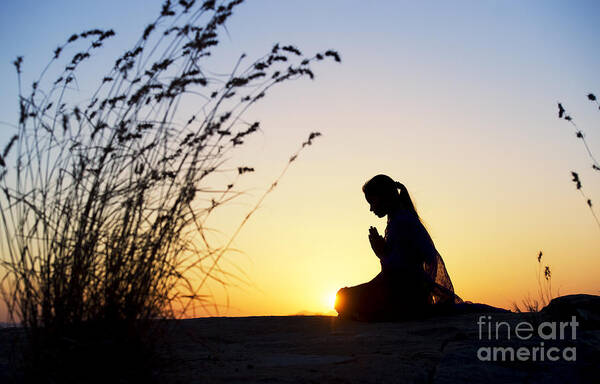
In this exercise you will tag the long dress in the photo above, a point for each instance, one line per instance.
(413, 277)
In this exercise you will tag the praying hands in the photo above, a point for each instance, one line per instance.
(377, 242)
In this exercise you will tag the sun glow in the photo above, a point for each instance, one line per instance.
(331, 300)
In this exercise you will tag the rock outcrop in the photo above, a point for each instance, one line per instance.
(586, 308)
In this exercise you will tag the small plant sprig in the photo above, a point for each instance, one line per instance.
(591, 97)
(588, 201)
(562, 114)
(544, 279)
(544, 291)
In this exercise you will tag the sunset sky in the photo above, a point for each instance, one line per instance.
(457, 100)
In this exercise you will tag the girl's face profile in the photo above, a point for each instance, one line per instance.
(376, 204)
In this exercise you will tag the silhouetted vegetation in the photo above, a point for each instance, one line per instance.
(545, 295)
(103, 202)
(562, 114)
(544, 276)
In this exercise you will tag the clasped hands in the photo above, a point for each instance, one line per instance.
(377, 242)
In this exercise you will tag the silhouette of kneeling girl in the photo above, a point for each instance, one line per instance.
(413, 278)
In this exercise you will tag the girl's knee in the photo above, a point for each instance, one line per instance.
(341, 299)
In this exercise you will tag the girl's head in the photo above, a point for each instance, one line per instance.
(385, 195)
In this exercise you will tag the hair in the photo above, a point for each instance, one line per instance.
(385, 186)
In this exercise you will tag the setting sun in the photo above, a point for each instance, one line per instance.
(331, 301)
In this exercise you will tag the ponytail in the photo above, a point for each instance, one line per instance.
(405, 199)
(385, 185)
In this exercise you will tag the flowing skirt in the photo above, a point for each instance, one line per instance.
(390, 297)
(386, 297)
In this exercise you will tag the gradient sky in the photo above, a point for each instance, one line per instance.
(457, 100)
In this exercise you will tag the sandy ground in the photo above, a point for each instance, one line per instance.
(321, 349)
(325, 349)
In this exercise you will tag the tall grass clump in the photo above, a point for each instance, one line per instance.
(104, 201)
